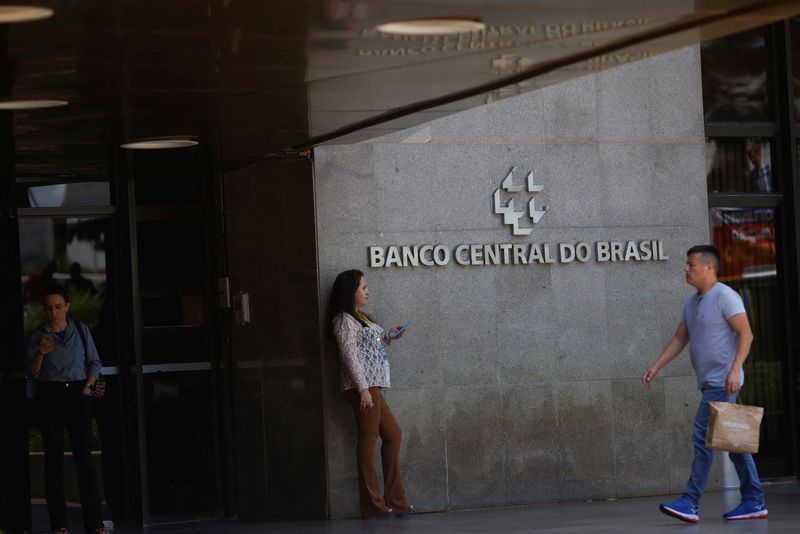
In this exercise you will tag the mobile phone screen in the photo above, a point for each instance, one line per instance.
(400, 330)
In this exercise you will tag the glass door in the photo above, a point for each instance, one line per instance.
(177, 356)
(151, 309)
(65, 237)
(747, 226)
(748, 243)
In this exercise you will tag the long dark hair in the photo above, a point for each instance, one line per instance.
(343, 294)
(56, 289)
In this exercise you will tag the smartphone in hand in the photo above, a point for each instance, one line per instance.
(401, 329)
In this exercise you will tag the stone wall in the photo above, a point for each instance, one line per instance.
(521, 383)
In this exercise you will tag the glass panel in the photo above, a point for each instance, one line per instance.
(180, 408)
(162, 309)
(71, 252)
(172, 266)
(181, 445)
(737, 77)
(171, 256)
(167, 176)
(746, 238)
(84, 194)
(740, 166)
(794, 28)
(76, 253)
(175, 344)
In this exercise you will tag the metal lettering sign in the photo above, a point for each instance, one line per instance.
(516, 253)
(642, 249)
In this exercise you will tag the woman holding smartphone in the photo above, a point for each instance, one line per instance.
(62, 357)
(364, 372)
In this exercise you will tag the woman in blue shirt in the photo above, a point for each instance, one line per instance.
(65, 364)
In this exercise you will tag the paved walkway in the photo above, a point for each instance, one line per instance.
(626, 515)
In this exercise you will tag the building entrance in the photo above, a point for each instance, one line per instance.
(752, 177)
(141, 274)
(749, 240)
(74, 252)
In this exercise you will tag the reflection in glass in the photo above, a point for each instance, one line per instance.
(175, 344)
(739, 166)
(737, 78)
(72, 194)
(171, 256)
(181, 445)
(168, 176)
(71, 252)
(75, 252)
(746, 240)
(794, 28)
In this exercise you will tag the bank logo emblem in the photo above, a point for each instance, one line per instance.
(510, 215)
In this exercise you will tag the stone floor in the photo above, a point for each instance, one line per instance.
(625, 515)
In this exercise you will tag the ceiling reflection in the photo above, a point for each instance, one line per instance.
(253, 78)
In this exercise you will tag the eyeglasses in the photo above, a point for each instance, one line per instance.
(57, 307)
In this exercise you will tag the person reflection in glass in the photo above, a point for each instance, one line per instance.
(38, 281)
(78, 282)
(761, 173)
(65, 363)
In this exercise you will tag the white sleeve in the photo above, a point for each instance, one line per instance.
(348, 333)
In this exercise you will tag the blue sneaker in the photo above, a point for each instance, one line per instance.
(682, 509)
(747, 510)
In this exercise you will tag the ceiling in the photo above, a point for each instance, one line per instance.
(253, 77)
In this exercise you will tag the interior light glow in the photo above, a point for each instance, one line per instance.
(11, 105)
(441, 26)
(14, 14)
(160, 143)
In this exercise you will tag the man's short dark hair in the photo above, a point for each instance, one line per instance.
(708, 253)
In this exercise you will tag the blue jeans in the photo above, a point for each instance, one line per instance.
(749, 484)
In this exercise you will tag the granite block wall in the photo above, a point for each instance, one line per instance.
(520, 383)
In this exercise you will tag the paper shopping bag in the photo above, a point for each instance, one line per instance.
(733, 427)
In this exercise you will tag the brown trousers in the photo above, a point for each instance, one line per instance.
(377, 421)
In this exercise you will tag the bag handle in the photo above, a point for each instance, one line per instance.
(79, 327)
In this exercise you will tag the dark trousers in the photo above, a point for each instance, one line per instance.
(377, 421)
(62, 406)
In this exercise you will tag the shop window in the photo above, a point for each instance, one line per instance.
(742, 165)
(737, 78)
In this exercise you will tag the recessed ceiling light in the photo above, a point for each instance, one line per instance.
(432, 26)
(12, 14)
(159, 143)
(31, 104)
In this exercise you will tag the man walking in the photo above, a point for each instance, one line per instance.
(715, 325)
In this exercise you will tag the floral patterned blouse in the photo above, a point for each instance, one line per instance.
(365, 362)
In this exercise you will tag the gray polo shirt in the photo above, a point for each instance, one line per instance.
(712, 342)
(68, 362)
